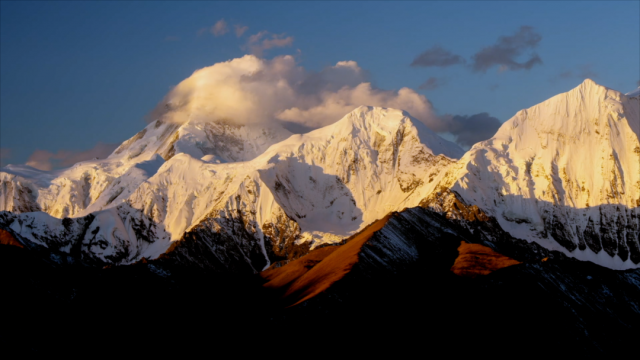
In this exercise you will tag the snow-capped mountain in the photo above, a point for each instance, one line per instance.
(564, 173)
(93, 185)
(307, 190)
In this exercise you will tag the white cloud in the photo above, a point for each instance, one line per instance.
(334, 105)
(220, 28)
(46, 160)
(254, 90)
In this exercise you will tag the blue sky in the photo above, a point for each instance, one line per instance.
(75, 74)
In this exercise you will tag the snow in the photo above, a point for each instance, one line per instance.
(332, 181)
(569, 160)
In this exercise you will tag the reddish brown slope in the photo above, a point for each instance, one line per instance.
(315, 272)
(7, 239)
(476, 259)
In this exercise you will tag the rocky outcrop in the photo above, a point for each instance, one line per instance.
(476, 260)
(7, 239)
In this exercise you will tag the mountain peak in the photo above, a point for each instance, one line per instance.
(390, 121)
(560, 169)
(589, 86)
(589, 82)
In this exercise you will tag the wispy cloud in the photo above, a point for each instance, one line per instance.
(583, 72)
(505, 52)
(437, 56)
(264, 40)
(46, 160)
(171, 38)
(5, 154)
(432, 83)
(220, 28)
(240, 30)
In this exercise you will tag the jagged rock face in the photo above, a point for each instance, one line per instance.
(15, 196)
(119, 235)
(564, 173)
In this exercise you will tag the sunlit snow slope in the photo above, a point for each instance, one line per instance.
(565, 174)
(308, 189)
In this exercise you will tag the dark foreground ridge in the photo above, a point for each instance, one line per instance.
(400, 294)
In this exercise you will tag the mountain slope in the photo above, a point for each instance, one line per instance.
(565, 174)
(304, 191)
(94, 185)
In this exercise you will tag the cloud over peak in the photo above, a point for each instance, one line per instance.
(254, 90)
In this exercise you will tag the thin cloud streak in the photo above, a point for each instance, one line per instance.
(437, 56)
(583, 72)
(46, 160)
(432, 83)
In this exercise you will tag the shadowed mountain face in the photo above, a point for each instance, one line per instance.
(403, 288)
(395, 284)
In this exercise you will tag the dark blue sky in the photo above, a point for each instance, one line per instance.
(74, 74)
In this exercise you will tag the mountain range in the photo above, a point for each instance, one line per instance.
(564, 174)
(206, 232)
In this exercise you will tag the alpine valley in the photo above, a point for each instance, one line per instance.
(528, 242)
